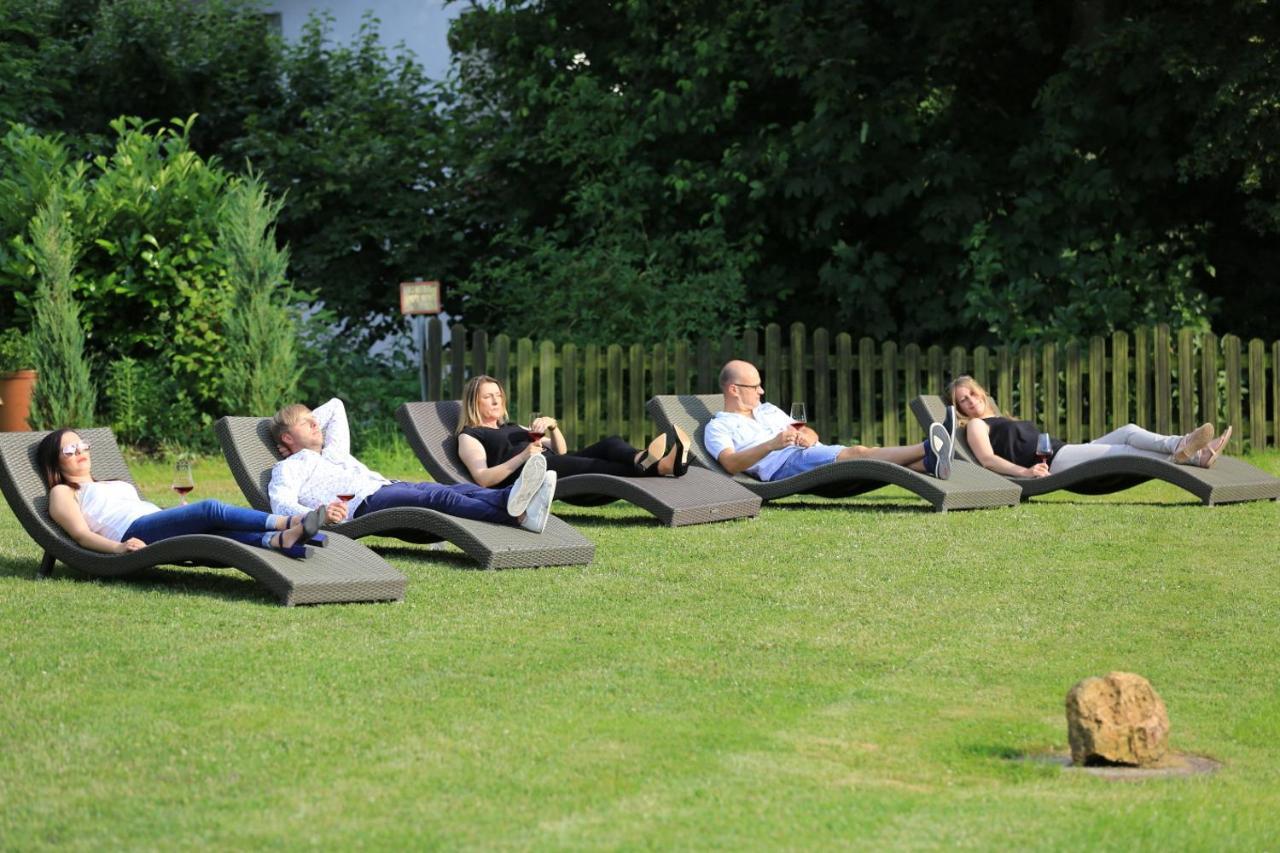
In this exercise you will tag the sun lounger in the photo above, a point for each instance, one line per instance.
(695, 498)
(1230, 480)
(969, 487)
(246, 443)
(344, 571)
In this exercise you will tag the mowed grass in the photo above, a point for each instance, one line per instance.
(860, 673)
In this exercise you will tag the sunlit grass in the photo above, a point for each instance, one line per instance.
(858, 673)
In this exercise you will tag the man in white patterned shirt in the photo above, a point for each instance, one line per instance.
(318, 466)
(757, 437)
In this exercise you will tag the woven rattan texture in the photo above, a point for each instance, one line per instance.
(969, 487)
(246, 443)
(1229, 481)
(696, 498)
(343, 572)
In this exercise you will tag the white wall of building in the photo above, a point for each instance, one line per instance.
(422, 25)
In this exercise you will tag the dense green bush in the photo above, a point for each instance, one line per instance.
(176, 267)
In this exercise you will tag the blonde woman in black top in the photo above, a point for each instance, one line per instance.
(493, 449)
(1008, 446)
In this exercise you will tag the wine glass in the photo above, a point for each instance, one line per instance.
(182, 480)
(534, 435)
(798, 416)
(1044, 448)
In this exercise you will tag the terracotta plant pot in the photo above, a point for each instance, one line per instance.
(15, 400)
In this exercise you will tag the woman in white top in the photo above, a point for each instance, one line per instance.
(110, 517)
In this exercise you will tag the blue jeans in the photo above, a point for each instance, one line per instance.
(465, 500)
(806, 459)
(234, 522)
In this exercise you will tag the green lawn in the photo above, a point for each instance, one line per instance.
(861, 673)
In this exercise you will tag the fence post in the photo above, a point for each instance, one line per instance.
(706, 373)
(1027, 384)
(958, 359)
(844, 385)
(889, 383)
(821, 414)
(1119, 379)
(867, 391)
(1163, 391)
(635, 415)
(480, 353)
(1049, 376)
(1275, 393)
(1235, 409)
(799, 388)
(682, 367)
(1004, 379)
(457, 360)
(546, 380)
(981, 367)
(1186, 380)
(1098, 387)
(569, 382)
(933, 365)
(435, 356)
(524, 402)
(1141, 377)
(751, 346)
(911, 389)
(1209, 377)
(773, 360)
(658, 383)
(591, 387)
(1257, 395)
(613, 407)
(1075, 393)
(502, 363)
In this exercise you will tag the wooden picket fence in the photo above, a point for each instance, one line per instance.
(857, 392)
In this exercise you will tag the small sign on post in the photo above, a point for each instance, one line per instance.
(417, 299)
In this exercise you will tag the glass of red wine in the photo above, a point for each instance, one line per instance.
(345, 497)
(535, 435)
(798, 416)
(183, 482)
(1044, 448)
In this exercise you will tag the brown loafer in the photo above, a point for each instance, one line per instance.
(1209, 455)
(1192, 443)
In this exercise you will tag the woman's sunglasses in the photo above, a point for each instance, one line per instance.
(73, 449)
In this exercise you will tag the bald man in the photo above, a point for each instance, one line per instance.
(757, 437)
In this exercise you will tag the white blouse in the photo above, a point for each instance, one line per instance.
(109, 507)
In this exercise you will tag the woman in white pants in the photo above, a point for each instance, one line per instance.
(1008, 446)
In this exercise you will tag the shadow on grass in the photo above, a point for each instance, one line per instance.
(850, 506)
(229, 584)
(450, 558)
(579, 519)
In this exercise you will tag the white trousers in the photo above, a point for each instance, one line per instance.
(1129, 440)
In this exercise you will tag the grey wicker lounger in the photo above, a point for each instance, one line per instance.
(246, 443)
(1229, 481)
(969, 487)
(345, 571)
(695, 498)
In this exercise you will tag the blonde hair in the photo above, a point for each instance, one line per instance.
(967, 381)
(286, 419)
(470, 415)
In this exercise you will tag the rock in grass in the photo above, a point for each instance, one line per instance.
(1117, 719)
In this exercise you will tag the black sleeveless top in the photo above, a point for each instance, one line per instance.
(1016, 441)
(502, 443)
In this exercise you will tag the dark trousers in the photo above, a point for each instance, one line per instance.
(464, 500)
(610, 455)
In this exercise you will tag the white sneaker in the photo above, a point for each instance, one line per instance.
(527, 484)
(535, 517)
